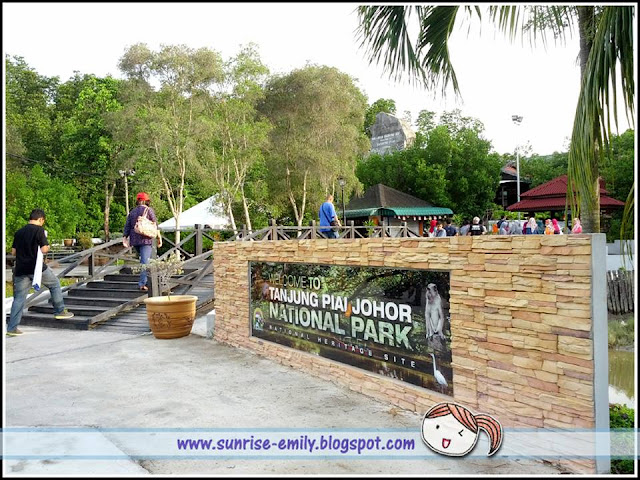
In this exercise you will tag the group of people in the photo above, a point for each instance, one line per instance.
(534, 227)
(30, 244)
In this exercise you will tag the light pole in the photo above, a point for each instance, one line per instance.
(124, 173)
(517, 120)
(342, 182)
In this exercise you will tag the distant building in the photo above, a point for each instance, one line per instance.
(389, 133)
(552, 197)
(390, 207)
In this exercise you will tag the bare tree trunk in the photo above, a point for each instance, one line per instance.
(126, 193)
(246, 208)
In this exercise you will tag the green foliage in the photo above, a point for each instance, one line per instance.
(318, 114)
(28, 111)
(617, 165)
(621, 335)
(59, 200)
(453, 168)
(85, 240)
(622, 417)
(541, 169)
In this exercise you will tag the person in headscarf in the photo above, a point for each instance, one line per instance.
(556, 227)
(532, 226)
(504, 228)
(515, 228)
(577, 226)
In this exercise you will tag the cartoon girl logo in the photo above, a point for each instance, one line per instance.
(451, 429)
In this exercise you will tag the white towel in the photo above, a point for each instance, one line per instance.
(37, 273)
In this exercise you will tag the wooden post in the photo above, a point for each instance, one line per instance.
(244, 232)
(352, 228)
(92, 263)
(198, 239)
(383, 234)
(405, 232)
(314, 231)
(274, 231)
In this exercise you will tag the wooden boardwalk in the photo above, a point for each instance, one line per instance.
(135, 321)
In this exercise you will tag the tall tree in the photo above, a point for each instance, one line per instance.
(169, 120)
(317, 114)
(28, 102)
(237, 134)
(89, 153)
(606, 43)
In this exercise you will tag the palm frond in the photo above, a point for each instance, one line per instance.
(626, 225)
(436, 25)
(534, 21)
(612, 44)
(383, 32)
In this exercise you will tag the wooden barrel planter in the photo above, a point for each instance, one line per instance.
(171, 316)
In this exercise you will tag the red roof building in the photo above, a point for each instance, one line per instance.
(552, 196)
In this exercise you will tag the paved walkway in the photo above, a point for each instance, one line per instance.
(93, 379)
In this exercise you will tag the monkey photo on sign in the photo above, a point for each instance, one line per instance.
(433, 314)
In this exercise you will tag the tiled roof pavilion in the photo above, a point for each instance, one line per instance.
(380, 200)
(551, 196)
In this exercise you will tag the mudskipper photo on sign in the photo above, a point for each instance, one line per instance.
(394, 322)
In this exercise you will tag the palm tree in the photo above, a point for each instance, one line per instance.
(606, 41)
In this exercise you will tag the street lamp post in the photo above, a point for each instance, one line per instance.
(125, 173)
(517, 120)
(342, 182)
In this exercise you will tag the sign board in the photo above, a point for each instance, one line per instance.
(394, 322)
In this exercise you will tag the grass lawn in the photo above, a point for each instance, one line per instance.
(621, 330)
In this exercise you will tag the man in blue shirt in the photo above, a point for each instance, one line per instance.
(328, 218)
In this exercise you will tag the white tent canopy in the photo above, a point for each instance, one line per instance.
(207, 213)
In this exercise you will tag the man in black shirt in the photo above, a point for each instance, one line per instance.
(26, 243)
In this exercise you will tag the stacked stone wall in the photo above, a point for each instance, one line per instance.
(521, 325)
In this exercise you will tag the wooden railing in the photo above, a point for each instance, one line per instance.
(280, 232)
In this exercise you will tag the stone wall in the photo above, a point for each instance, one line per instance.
(521, 324)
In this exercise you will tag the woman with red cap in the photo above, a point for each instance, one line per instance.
(141, 243)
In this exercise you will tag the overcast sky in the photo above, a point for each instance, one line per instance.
(497, 79)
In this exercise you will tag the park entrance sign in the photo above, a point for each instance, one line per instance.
(389, 133)
(390, 321)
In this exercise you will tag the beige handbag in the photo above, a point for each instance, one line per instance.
(145, 227)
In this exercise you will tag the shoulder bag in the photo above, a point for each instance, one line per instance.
(146, 227)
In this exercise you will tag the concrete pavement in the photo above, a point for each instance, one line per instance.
(98, 380)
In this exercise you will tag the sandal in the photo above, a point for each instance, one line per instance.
(144, 288)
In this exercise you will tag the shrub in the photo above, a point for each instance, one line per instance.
(85, 240)
(622, 417)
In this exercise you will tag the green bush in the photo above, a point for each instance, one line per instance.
(622, 417)
(85, 240)
(622, 335)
